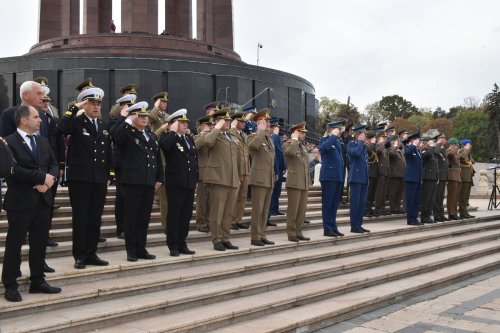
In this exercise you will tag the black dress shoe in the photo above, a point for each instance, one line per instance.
(470, 216)
(279, 213)
(101, 240)
(235, 227)
(243, 225)
(307, 222)
(363, 229)
(96, 261)
(267, 242)
(131, 258)
(368, 213)
(44, 288)
(147, 256)
(303, 238)
(204, 229)
(47, 269)
(271, 224)
(293, 239)
(174, 253)
(452, 217)
(357, 231)
(12, 295)
(445, 219)
(120, 235)
(230, 246)
(79, 264)
(219, 247)
(330, 234)
(186, 251)
(338, 233)
(57, 206)
(438, 219)
(50, 242)
(257, 242)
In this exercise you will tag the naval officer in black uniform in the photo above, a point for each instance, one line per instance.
(140, 176)
(181, 177)
(89, 169)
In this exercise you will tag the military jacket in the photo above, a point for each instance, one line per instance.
(202, 149)
(139, 158)
(156, 119)
(383, 160)
(223, 165)
(413, 158)
(332, 162)
(454, 168)
(397, 163)
(181, 167)
(358, 162)
(372, 159)
(244, 154)
(442, 160)
(466, 164)
(297, 161)
(89, 156)
(430, 167)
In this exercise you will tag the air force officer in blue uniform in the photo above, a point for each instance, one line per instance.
(413, 178)
(331, 177)
(358, 178)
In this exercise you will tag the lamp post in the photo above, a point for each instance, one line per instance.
(259, 46)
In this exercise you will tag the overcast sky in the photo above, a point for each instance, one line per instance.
(433, 53)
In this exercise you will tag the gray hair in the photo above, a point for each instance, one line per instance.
(26, 86)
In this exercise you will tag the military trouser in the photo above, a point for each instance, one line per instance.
(438, 206)
(202, 206)
(221, 200)
(241, 197)
(296, 211)
(452, 197)
(427, 198)
(396, 188)
(261, 199)
(463, 198)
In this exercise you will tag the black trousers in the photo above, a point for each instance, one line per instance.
(428, 197)
(53, 190)
(396, 189)
(137, 206)
(119, 213)
(179, 218)
(380, 192)
(87, 203)
(438, 206)
(35, 221)
(372, 187)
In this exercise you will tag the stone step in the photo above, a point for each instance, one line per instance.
(384, 235)
(314, 264)
(185, 309)
(312, 317)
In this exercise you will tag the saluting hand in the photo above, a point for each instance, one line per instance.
(373, 140)
(220, 124)
(124, 110)
(133, 117)
(79, 105)
(295, 135)
(157, 103)
(276, 130)
(165, 126)
(233, 123)
(249, 116)
(336, 131)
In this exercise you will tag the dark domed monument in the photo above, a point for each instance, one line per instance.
(194, 71)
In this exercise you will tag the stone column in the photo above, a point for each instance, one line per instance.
(70, 17)
(50, 18)
(97, 14)
(179, 18)
(215, 22)
(140, 16)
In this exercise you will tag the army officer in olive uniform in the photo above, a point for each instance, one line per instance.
(140, 176)
(454, 179)
(90, 167)
(442, 159)
(222, 178)
(262, 176)
(430, 174)
(297, 182)
(467, 174)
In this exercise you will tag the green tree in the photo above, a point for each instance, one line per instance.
(332, 109)
(438, 113)
(420, 121)
(473, 124)
(372, 115)
(396, 106)
(492, 109)
(455, 111)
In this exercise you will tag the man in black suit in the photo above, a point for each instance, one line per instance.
(28, 202)
(89, 168)
(181, 177)
(140, 176)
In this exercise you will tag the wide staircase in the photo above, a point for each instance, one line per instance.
(287, 287)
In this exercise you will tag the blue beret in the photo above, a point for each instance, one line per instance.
(336, 124)
(465, 141)
(359, 129)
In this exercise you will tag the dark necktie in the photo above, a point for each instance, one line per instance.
(33, 147)
(186, 142)
(227, 136)
(94, 121)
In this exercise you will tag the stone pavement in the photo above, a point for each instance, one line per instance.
(469, 306)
